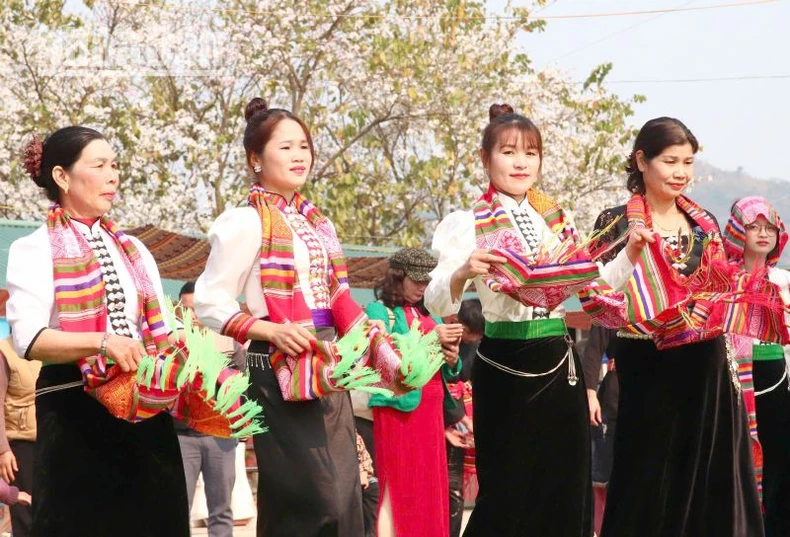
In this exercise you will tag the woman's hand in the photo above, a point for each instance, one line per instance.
(450, 353)
(637, 240)
(478, 264)
(291, 338)
(456, 438)
(594, 406)
(125, 352)
(450, 339)
(24, 498)
(449, 334)
(8, 466)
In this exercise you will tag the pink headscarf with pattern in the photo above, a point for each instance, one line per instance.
(744, 212)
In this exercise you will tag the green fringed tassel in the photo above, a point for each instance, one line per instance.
(248, 407)
(231, 390)
(351, 347)
(248, 412)
(421, 356)
(204, 359)
(145, 371)
(349, 373)
(251, 429)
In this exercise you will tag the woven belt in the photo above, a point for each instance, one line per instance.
(768, 352)
(523, 330)
(631, 335)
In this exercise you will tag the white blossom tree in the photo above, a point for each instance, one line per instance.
(396, 94)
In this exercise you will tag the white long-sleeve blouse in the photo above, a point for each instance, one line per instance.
(31, 285)
(233, 267)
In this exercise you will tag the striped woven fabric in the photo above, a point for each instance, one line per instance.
(741, 347)
(674, 309)
(365, 358)
(81, 307)
(525, 277)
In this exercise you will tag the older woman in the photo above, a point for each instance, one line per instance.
(79, 288)
(413, 501)
(682, 463)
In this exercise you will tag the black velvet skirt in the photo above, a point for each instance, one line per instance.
(97, 475)
(682, 458)
(532, 439)
(773, 429)
(308, 470)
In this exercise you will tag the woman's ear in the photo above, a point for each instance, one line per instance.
(641, 162)
(61, 178)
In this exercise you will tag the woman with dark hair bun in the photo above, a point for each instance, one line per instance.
(284, 256)
(682, 459)
(531, 425)
(83, 293)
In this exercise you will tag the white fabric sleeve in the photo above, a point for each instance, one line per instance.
(31, 287)
(454, 239)
(235, 239)
(152, 269)
(618, 271)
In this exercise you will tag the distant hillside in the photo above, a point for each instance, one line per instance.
(725, 187)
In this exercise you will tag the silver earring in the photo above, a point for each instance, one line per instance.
(256, 169)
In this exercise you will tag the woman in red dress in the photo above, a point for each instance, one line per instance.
(408, 431)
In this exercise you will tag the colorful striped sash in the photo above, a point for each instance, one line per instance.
(741, 349)
(170, 378)
(544, 278)
(674, 309)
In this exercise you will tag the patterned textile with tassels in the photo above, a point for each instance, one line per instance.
(188, 379)
(674, 309)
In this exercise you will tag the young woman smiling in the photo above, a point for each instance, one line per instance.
(530, 409)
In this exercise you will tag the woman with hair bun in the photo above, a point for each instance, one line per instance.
(284, 257)
(79, 287)
(531, 420)
(308, 473)
(682, 458)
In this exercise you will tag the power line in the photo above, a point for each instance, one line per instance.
(725, 5)
(615, 33)
(659, 11)
(695, 80)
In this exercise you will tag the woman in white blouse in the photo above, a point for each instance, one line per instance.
(308, 481)
(531, 418)
(92, 470)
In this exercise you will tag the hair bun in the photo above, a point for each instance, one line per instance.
(254, 106)
(497, 110)
(33, 153)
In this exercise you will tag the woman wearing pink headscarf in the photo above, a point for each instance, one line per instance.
(754, 238)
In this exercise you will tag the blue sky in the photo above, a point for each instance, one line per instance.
(739, 123)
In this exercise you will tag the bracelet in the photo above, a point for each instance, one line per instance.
(103, 348)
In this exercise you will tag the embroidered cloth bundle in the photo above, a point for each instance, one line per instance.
(674, 309)
(548, 275)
